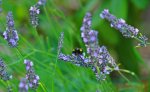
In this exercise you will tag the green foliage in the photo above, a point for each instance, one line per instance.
(40, 44)
(141, 4)
(119, 8)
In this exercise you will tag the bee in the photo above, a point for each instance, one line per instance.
(77, 51)
(78, 56)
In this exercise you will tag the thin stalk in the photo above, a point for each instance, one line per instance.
(53, 25)
(140, 41)
(43, 88)
(19, 52)
(37, 36)
(137, 39)
(129, 72)
(124, 76)
(22, 58)
(36, 50)
(26, 42)
(54, 71)
(52, 85)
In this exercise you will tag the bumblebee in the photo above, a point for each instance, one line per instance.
(77, 51)
(78, 56)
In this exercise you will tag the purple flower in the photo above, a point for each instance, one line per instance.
(34, 12)
(120, 24)
(104, 13)
(41, 2)
(3, 73)
(28, 64)
(64, 57)
(88, 35)
(144, 40)
(23, 86)
(99, 56)
(86, 22)
(11, 34)
(32, 78)
(93, 36)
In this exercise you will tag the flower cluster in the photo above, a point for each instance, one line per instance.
(11, 34)
(35, 11)
(79, 60)
(126, 30)
(23, 86)
(32, 78)
(99, 59)
(41, 2)
(3, 73)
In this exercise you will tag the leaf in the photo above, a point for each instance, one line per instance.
(119, 8)
(141, 4)
(128, 55)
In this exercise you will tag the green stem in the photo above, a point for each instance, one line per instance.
(129, 72)
(140, 40)
(26, 42)
(124, 76)
(58, 51)
(36, 50)
(43, 88)
(52, 85)
(22, 58)
(19, 51)
(38, 36)
(54, 73)
(53, 25)
(126, 71)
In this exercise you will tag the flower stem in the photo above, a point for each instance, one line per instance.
(19, 52)
(42, 86)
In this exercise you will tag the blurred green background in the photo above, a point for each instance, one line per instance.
(40, 44)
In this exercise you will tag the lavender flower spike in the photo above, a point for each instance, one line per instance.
(101, 61)
(34, 12)
(41, 2)
(23, 86)
(30, 75)
(3, 73)
(11, 34)
(120, 24)
(89, 36)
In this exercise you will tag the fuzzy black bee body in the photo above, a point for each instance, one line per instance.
(77, 51)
